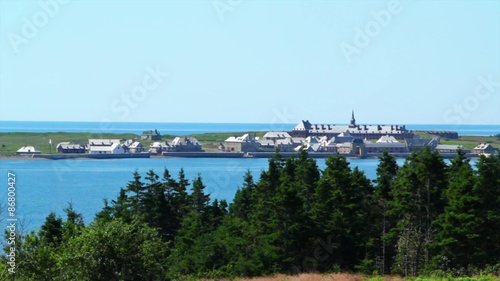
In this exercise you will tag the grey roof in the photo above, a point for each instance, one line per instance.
(421, 142)
(136, 144)
(105, 147)
(266, 142)
(290, 141)
(340, 139)
(344, 144)
(70, 146)
(483, 146)
(287, 141)
(385, 144)
(244, 138)
(184, 141)
(107, 142)
(277, 135)
(359, 129)
(158, 144)
(151, 132)
(450, 147)
(303, 126)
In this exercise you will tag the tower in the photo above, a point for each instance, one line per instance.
(353, 120)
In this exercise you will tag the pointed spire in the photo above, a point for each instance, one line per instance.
(353, 120)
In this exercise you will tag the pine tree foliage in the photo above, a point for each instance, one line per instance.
(422, 217)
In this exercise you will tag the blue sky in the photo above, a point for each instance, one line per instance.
(411, 62)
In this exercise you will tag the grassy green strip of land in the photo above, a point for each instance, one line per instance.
(11, 142)
(467, 141)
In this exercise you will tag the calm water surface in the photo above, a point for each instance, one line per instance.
(45, 186)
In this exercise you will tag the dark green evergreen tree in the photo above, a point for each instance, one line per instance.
(51, 231)
(487, 189)
(340, 212)
(418, 200)
(385, 243)
(457, 236)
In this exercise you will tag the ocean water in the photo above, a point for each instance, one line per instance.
(44, 186)
(197, 128)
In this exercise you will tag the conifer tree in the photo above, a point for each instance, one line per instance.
(457, 236)
(244, 198)
(487, 188)
(386, 174)
(340, 213)
(51, 231)
(418, 200)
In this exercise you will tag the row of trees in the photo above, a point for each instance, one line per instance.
(421, 217)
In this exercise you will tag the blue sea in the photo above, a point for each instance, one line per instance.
(197, 128)
(44, 186)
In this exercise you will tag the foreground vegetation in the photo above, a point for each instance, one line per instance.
(359, 277)
(425, 218)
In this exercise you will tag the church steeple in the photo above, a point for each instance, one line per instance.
(353, 120)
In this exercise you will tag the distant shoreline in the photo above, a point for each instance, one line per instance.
(11, 142)
(219, 155)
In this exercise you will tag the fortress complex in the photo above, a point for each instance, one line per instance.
(370, 132)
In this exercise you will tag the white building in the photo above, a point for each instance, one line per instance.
(451, 148)
(105, 146)
(133, 146)
(245, 143)
(180, 144)
(115, 148)
(27, 150)
(485, 148)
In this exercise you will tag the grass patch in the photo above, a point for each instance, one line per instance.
(467, 141)
(11, 142)
(472, 141)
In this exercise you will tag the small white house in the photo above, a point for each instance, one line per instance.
(485, 148)
(27, 150)
(132, 146)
